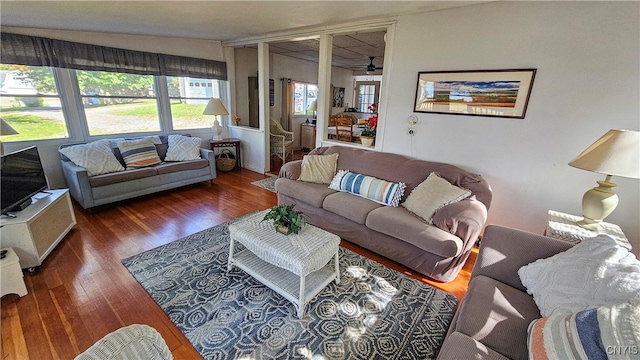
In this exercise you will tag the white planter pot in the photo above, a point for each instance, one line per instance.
(367, 141)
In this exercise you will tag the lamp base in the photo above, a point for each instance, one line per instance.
(597, 204)
(590, 224)
(217, 130)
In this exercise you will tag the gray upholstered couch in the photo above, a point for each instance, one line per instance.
(91, 191)
(492, 319)
(438, 251)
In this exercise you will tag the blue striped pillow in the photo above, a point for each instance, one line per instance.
(139, 153)
(381, 191)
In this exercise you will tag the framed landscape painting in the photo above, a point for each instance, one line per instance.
(500, 93)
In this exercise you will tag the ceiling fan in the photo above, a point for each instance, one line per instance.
(372, 67)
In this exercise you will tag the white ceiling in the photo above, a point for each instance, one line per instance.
(223, 20)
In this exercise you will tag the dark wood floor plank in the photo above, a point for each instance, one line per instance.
(82, 291)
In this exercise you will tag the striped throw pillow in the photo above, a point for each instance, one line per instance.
(611, 331)
(381, 191)
(139, 153)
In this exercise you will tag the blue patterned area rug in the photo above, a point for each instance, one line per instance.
(374, 313)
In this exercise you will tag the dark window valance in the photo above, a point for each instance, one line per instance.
(38, 51)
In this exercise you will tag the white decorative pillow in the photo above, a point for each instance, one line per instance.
(139, 153)
(318, 168)
(96, 157)
(593, 273)
(182, 148)
(431, 195)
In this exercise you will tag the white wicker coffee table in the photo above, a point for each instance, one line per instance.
(297, 266)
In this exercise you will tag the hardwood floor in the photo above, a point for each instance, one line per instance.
(82, 291)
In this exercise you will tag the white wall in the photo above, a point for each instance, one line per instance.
(587, 55)
(246, 65)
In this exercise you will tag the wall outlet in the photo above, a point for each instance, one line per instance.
(411, 132)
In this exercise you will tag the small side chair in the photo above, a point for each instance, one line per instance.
(281, 141)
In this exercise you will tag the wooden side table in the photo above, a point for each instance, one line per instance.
(228, 143)
(308, 136)
(564, 227)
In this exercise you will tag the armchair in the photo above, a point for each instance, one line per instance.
(281, 141)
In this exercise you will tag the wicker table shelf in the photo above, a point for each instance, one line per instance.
(297, 266)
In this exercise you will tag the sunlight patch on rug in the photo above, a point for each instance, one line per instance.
(375, 312)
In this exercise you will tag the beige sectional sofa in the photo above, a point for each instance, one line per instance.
(437, 250)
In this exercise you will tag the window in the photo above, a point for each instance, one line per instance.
(188, 101)
(101, 90)
(118, 103)
(367, 93)
(29, 103)
(303, 95)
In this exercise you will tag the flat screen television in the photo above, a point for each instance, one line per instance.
(21, 178)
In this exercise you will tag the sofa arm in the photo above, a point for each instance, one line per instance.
(135, 341)
(210, 156)
(465, 219)
(504, 250)
(291, 170)
(77, 181)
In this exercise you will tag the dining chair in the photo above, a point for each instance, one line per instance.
(344, 129)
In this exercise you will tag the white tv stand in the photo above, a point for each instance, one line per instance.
(35, 231)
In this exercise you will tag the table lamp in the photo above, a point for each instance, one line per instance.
(617, 153)
(215, 107)
(5, 129)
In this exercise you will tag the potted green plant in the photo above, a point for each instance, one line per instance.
(285, 219)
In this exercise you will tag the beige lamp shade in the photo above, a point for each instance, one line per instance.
(6, 129)
(616, 153)
(215, 107)
(314, 105)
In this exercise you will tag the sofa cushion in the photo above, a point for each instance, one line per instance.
(593, 273)
(458, 346)
(170, 167)
(378, 190)
(310, 193)
(127, 175)
(431, 195)
(139, 153)
(318, 168)
(593, 332)
(492, 312)
(182, 148)
(352, 207)
(399, 223)
(399, 168)
(96, 157)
